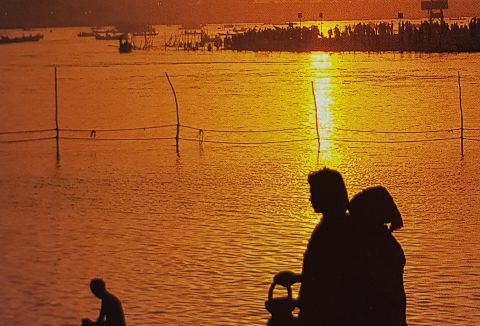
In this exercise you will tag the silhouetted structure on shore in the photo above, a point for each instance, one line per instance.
(21, 39)
(437, 36)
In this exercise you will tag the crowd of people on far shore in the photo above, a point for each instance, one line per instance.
(427, 36)
(438, 35)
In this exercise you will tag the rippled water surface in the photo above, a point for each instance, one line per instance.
(195, 239)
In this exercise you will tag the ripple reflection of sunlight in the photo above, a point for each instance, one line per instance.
(322, 86)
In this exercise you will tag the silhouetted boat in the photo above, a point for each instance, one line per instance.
(86, 34)
(20, 39)
(147, 30)
(125, 46)
(150, 33)
(108, 36)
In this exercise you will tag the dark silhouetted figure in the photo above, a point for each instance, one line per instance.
(379, 260)
(111, 311)
(325, 292)
(282, 308)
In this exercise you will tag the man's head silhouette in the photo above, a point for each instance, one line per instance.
(98, 288)
(328, 193)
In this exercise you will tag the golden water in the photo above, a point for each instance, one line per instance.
(196, 239)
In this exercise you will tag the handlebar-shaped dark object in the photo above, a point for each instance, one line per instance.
(281, 308)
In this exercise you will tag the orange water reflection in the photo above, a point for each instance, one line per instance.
(321, 65)
(215, 225)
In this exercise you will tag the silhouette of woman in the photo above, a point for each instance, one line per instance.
(379, 259)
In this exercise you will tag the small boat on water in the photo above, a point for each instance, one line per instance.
(148, 33)
(147, 30)
(125, 46)
(86, 34)
(108, 36)
(20, 39)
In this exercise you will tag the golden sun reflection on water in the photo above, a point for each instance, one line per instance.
(231, 216)
(321, 65)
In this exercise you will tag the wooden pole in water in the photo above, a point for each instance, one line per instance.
(178, 115)
(57, 133)
(461, 111)
(316, 115)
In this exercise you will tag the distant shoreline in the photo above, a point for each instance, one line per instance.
(427, 37)
(179, 23)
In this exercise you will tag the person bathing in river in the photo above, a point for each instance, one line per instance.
(111, 311)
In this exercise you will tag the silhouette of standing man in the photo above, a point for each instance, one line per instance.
(324, 297)
(111, 311)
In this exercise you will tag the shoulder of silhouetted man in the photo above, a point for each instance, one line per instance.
(112, 307)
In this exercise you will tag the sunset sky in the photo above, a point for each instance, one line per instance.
(81, 12)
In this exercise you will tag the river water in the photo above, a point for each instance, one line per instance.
(195, 238)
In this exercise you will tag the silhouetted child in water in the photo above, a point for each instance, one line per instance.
(111, 311)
